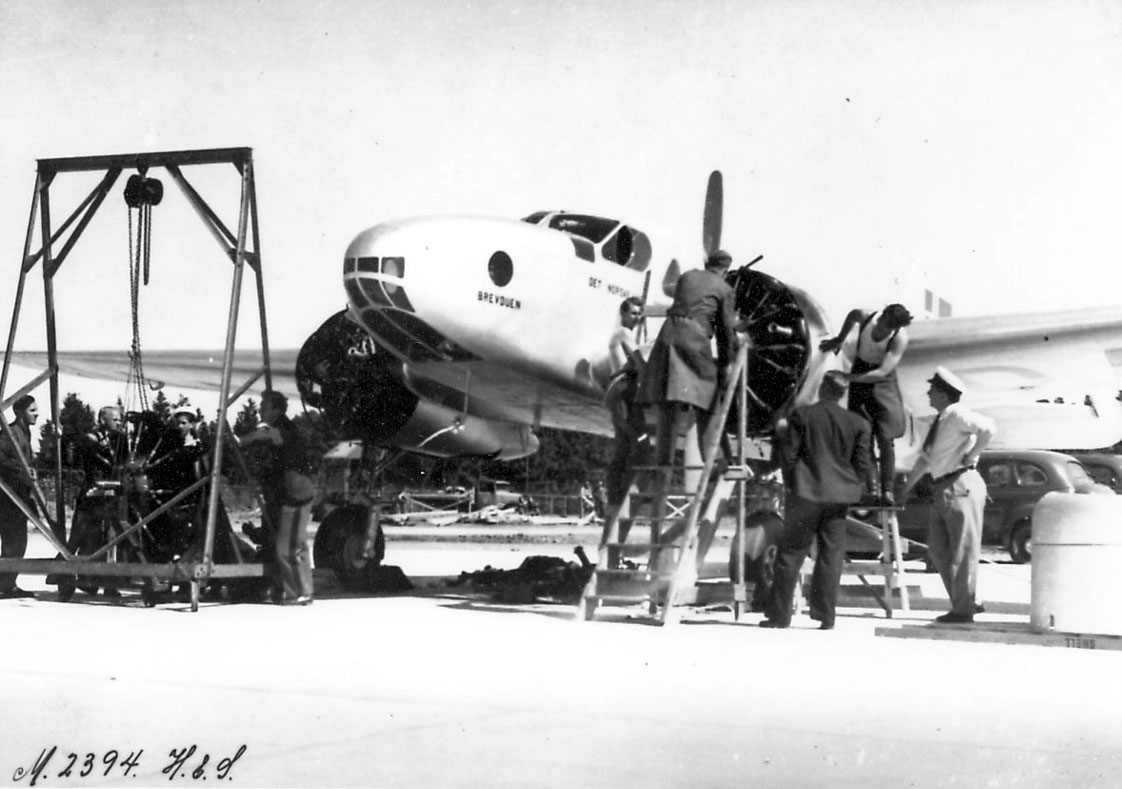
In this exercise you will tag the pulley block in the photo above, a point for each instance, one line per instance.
(140, 190)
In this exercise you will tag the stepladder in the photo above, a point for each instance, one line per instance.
(676, 508)
(880, 537)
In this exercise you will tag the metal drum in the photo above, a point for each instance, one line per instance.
(1076, 556)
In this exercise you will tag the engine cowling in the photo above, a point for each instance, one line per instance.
(360, 390)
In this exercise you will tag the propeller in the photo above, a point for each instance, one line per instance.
(714, 211)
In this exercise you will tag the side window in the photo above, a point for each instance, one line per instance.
(628, 247)
(999, 475)
(618, 248)
(1028, 474)
(1102, 474)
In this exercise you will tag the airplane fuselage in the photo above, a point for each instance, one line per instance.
(503, 319)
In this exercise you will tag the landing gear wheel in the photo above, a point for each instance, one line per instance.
(780, 345)
(355, 571)
(339, 543)
(329, 538)
(66, 586)
(1020, 542)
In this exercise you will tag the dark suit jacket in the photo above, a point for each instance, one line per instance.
(680, 367)
(827, 450)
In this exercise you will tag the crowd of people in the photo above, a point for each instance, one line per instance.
(132, 464)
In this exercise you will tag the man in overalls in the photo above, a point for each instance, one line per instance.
(874, 392)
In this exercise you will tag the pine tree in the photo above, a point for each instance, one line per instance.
(247, 417)
(161, 407)
(75, 419)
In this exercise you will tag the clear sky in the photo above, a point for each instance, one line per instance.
(869, 149)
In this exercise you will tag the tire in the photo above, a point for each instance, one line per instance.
(339, 544)
(1020, 541)
(329, 537)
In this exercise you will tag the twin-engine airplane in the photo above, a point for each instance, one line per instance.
(464, 334)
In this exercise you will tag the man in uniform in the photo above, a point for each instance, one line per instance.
(874, 393)
(16, 467)
(828, 465)
(950, 457)
(682, 377)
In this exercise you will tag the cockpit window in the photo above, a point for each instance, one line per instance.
(535, 217)
(628, 247)
(594, 228)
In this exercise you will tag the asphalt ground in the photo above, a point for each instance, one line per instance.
(444, 686)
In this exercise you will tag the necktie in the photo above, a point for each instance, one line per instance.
(930, 439)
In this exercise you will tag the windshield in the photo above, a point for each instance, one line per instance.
(594, 228)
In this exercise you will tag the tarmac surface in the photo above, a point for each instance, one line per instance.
(444, 686)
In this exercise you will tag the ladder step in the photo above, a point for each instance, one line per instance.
(643, 575)
(739, 473)
(645, 520)
(868, 568)
(622, 598)
(642, 547)
(647, 496)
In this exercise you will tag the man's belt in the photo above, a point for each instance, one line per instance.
(947, 479)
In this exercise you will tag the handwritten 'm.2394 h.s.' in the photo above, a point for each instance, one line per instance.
(187, 762)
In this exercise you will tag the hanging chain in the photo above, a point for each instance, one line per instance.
(138, 254)
(147, 209)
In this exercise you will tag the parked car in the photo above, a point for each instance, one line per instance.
(1015, 481)
(1105, 469)
(496, 492)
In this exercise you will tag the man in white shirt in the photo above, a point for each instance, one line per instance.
(950, 457)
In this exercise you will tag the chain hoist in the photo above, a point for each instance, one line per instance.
(141, 193)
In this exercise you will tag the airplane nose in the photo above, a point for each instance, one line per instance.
(376, 276)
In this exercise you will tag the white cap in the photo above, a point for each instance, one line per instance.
(947, 379)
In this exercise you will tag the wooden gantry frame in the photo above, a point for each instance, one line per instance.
(241, 246)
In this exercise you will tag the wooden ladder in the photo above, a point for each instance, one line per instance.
(680, 524)
(890, 564)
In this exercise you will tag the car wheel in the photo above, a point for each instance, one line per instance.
(1020, 541)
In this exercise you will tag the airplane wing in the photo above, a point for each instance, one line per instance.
(196, 369)
(1051, 380)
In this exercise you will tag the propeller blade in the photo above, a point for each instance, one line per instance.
(714, 211)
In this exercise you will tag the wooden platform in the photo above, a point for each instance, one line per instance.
(1003, 633)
